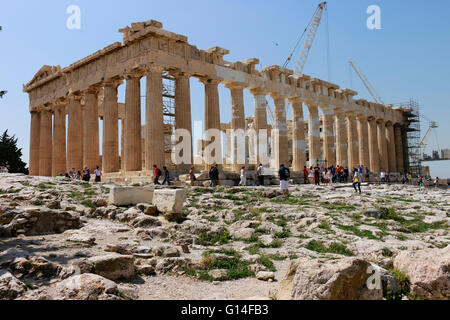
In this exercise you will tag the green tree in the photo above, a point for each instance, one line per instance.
(11, 155)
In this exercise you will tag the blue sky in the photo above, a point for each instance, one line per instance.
(407, 58)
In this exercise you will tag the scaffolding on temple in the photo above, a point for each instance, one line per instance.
(169, 113)
(411, 140)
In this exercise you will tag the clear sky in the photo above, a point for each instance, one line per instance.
(407, 58)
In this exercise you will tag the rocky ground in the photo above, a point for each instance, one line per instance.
(62, 240)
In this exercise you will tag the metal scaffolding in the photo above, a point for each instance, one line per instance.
(411, 139)
(168, 112)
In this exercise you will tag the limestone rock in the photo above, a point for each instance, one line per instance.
(82, 237)
(10, 286)
(124, 196)
(148, 209)
(113, 266)
(265, 275)
(86, 287)
(217, 274)
(428, 270)
(170, 201)
(243, 233)
(344, 279)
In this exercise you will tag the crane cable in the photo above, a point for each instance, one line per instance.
(289, 59)
(328, 44)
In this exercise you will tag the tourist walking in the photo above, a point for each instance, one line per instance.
(357, 180)
(260, 174)
(382, 176)
(436, 182)
(166, 176)
(367, 174)
(243, 177)
(3, 169)
(214, 176)
(98, 174)
(346, 172)
(156, 174)
(305, 175)
(192, 176)
(317, 176)
(420, 182)
(86, 174)
(284, 175)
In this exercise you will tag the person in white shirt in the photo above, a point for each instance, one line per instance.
(383, 175)
(3, 169)
(357, 181)
(98, 174)
(243, 177)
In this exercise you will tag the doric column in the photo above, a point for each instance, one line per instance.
(329, 151)
(363, 140)
(59, 165)
(74, 137)
(183, 119)
(110, 141)
(35, 135)
(374, 155)
(399, 148)
(390, 139)
(298, 135)
(45, 145)
(133, 152)
(260, 123)
(237, 123)
(382, 145)
(314, 133)
(341, 140)
(352, 135)
(91, 152)
(154, 120)
(212, 114)
(279, 132)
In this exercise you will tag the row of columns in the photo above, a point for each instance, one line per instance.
(348, 139)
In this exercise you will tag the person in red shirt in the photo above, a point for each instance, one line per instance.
(305, 175)
(156, 174)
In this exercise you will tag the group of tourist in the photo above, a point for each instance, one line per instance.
(157, 174)
(81, 175)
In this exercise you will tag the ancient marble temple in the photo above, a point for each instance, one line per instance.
(67, 104)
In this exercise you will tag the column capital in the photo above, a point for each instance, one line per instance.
(75, 96)
(258, 91)
(179, 74)
(234, 85)
(207, 80)
(151, 68)
(61, 103)
(277, 95)
(295, 99)
(112, 83)
(380, 121)
(362, 117)
(92, 90)
(135, 74)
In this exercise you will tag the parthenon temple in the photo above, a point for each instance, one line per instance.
(84, 96)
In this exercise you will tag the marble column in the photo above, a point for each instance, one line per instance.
(314, 134)
(133, 152)
(212, 118)
(352, 135)
(59, 140)
(363, 140)
(374, 155)
(154, 120)
(279, 132)
(298, 135)
(260, 124)
(183, 119)
(237, 124)
(390, 139)
(45, 145)
(110, 141)
(74, 136)
(329, 151)
(91, 152)
(382, 145)
(341, 140)
(399, 149)
(35, 134)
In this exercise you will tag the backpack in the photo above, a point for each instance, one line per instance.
(287, 172)
(158, 172)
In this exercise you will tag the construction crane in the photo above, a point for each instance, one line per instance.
(423, 143)
(310, 32)
(366, 82)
